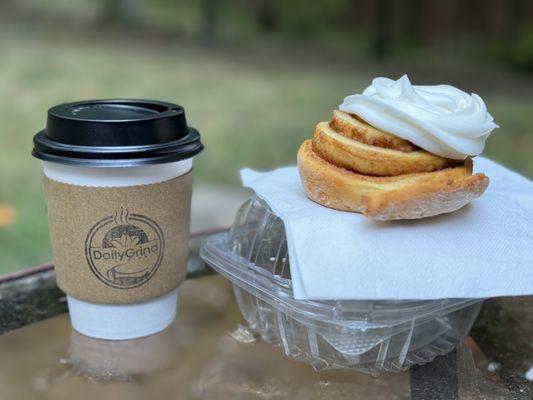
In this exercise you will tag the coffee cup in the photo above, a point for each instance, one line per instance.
(117, 178)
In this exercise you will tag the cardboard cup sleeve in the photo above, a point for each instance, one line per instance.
(119, 245)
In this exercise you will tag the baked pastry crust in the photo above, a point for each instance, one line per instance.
(373, 160)
(426, 199)
(355, 128)
(342, 170)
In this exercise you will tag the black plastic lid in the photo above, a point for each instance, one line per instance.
(116, 133)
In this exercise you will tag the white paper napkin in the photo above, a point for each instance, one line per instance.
(482, 250)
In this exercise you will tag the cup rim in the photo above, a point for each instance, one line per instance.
(117, 156)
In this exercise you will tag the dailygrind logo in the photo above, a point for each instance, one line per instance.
(124, 250)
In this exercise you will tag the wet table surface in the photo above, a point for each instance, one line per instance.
(207, 354)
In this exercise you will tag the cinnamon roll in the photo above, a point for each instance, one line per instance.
(350, 165)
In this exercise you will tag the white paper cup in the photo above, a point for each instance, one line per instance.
(118, 143)
(120, 321)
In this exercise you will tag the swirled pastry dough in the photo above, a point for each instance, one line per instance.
(352, 166)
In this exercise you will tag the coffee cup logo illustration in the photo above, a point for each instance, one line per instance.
(124, 250)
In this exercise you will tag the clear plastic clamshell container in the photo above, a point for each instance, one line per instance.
(370, 336)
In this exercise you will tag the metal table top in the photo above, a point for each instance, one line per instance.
(206, 353)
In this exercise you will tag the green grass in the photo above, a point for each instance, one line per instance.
(250, 112)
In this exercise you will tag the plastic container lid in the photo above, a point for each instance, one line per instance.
(101, 133)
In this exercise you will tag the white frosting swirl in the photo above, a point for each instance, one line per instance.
(440, 119)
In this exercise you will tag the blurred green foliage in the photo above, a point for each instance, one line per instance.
(518, 53)
(495, 31)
